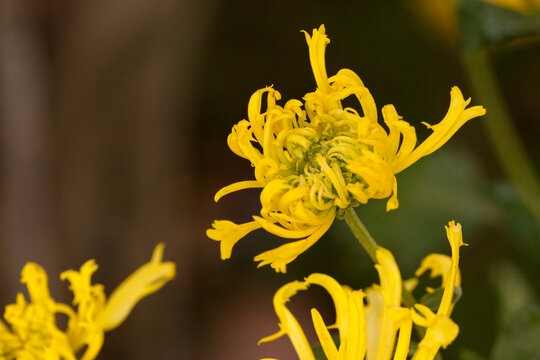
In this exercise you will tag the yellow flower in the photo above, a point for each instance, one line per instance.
(32, 333)
(315, 159)
(368, 321)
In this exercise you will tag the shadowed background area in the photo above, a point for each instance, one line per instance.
(114, 118)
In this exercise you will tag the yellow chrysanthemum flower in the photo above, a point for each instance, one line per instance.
(368, 321)
(315, 159)
(31, 331)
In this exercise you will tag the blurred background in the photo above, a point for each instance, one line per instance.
(114, 118)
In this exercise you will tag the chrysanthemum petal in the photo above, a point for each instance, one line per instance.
(317, 45)
(355, 345)
(389, 275)
(456, 116)
(146, 280)
(240, 185)
(439, 334)
(327, 344)
(228, 233)
(404, 338)
(288, 324)
(282, 232)
(239, 141)
(279, 257)
(340, 298)
(453, 232)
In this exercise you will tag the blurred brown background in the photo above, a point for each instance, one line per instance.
(114, 117)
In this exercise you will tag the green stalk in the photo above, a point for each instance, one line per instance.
(361, 233)
(503, 136)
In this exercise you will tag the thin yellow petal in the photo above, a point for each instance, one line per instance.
(389, 275)
(146, 280)
(356, 339)
(453, 232)
(35, 278)
(228, 233)
(404, 338)
(241, 185)
(282, 232)
(254, 113)
(327, 344)
(317, 45)
(288, 324)
(279, 257)
(456, 117)
(374, 311)
(340, 299)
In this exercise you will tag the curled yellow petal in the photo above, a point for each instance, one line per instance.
(355, 343)
(288, 324)
(317, 45)
(389, 275)
(441, 330)
(279, 257)
(439, 334)
(239, 141)
(456, 116)
(328, 345)
(241, 185)
(228, 233)
(146, 280)
(438, 265)
(405, 328)
(453, 232)
(340, 298)
(36, 282)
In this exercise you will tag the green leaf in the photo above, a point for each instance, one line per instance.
(433, 300)
(519, 223)
(520, 338)
(514, 291)
(467, 354)
(482, 24)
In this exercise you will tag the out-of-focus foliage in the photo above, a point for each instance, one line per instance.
(482, 24)
(519, 337)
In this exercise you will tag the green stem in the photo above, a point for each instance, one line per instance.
(361, 233)
(503, 136)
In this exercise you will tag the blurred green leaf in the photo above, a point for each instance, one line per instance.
(467, 354)
(525, 230)
(513, 289)
(482, 24)
(520, 337)
(433, 300)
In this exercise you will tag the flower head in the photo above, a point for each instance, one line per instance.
(31, 331)
(315, 159)
(368, 321)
